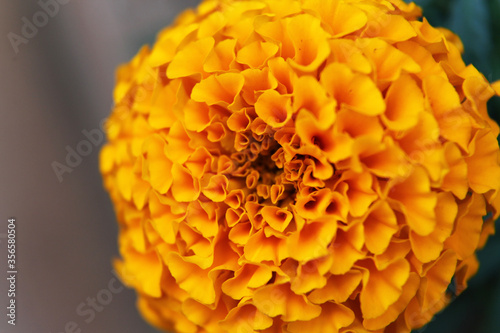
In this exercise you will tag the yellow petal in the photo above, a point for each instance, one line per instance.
(338, 288)
(381, 289)
(389, 61)
(438, 276)
(256, 54)
(341, 18)
(216, 190)
(427, 248)
(162, 110)
(196, 116)
(312, 241)
(417, 201)
(465, 238)
(221, 57)
(244, 318)
(277, 218)
(392, 28)
(202, 218)
(256, 82)
(190, 59)
(310, 42)
(247, 277)
(158, 166)
(379, 226)
(275, 300)
(191, 278)
(484, 163)
(333, 317)
(454, 123)
(456, 178)
(185, 188)
(309, 94)
(347, 248)
(310, 276)
(356, 91)
(273, 108)
(360, 192)
(345, 51)
(211, 25)
(409, 290)
(143, 271)
(218, 89)
(261, 248)
(404, 101)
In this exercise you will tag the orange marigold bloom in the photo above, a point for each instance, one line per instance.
(300, 166)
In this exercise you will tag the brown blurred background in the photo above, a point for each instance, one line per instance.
(57, 85)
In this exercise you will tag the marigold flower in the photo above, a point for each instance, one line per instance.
(300, 166)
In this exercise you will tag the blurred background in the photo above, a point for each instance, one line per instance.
(56, 85)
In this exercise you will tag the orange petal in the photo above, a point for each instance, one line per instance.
(417, 201)
(158, 166)
(276, 300)
(341, 18)
(404, 101)
(277, 218)
(256, 82)
(356, 91)
(359, 192)
(190, 59)
(245, 279)
(245, 318)
(454, 123)
(261, 248)
(338, 288)
(273, 108)
(217, 188)
(346, 249)
(484, 163)
(219, 89)
(409, 290)
(143, 271)
(427, 248)
(456, 178)
(465, 238)
(309, 40)
(309, 94)
(178, 148)
(312, 241)
(196, 116)
(161, 113)
(256, 54)
(392, 28)
(389, 61)
(345, 51)
(382, 288)
(437, 277)
(221, 57)
(191, 278)
(202, 218)
(333, 317)
(310, 276)
(185, 188)
(379, 226)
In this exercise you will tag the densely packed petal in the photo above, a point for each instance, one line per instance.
(300, 166)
